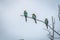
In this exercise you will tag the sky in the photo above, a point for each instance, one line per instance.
(14, 27)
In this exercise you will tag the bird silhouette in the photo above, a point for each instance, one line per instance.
(46, 22)
(25, 14)
(34, 17)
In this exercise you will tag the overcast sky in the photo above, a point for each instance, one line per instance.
(14, 27)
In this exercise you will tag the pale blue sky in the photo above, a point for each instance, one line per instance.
(14, 27)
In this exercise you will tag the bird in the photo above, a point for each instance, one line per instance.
(25, 14)
(46, 22)
(34, 17)
(59, 12)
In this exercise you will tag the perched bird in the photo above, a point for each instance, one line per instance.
(59, 12)
(34, 17)
(25, 14)
(46, 22)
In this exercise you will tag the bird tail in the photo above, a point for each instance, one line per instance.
(35, 21)
(47, 26)
(26, 19)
